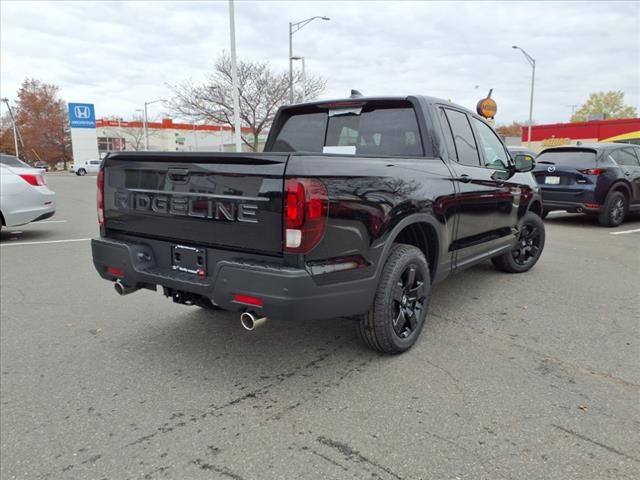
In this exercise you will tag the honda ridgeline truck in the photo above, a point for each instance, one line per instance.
(355, 209)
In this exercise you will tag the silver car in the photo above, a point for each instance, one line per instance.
(24, 194)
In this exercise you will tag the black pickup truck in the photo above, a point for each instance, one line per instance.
(355, 209)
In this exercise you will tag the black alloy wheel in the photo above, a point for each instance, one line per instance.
(529, 245)
(527, 249)
(614, 210)
(408, 297)
(400, 304)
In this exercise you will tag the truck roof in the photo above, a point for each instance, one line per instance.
(347, 100)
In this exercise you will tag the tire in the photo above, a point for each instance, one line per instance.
(400, 304)
(206, 304)
(82, 172)
(528, 249)
(614, 210)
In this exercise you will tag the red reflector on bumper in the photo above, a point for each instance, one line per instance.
(116, 272)
(255, 301)
(595, 206)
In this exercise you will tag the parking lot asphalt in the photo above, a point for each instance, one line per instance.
(532, 376)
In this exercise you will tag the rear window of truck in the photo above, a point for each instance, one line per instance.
(373, 129)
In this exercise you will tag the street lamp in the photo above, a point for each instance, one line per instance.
(146, 128)
(293, 28)
(532, 62)
(304, 78)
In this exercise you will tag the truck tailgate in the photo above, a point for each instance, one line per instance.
(231, 200)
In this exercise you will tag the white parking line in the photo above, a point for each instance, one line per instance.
(15, 244)
(49, 221)
(624, 232)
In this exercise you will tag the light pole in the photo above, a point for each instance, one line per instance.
(145, 122)
(304, 78)
(532, 62)
(293, 28)
(237, 132)
(13, 122)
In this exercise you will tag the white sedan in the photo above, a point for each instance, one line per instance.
(24, 195)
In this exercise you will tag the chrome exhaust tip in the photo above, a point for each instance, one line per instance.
(122, 289)
(250, 321)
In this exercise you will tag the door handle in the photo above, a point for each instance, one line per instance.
(464, 178)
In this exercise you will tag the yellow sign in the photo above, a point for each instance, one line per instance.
(554, 142)
(487, 107)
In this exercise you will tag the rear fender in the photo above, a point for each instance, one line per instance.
(438, 260)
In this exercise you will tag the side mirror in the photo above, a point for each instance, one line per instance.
(524, 162)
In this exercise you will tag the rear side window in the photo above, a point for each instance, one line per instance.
(463, 138)
(570, 158)
(374, 130)
(625, 157)
(302, 133)
(11, 161)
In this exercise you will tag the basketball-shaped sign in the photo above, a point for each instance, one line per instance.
(487, 107)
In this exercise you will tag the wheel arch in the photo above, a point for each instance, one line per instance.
(421, 231)
(536, 207)
(621, 186)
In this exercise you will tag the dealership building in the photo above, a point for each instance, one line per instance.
(557, 134)
(165, 136)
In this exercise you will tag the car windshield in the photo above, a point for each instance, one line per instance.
(11, 161)
(568, 157)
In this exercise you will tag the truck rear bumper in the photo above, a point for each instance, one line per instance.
(286, 293)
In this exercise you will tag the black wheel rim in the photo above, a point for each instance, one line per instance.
(617, 210)
(408, 301)
(528, 247)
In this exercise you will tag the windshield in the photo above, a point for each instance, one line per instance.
(572, 158)
(378, 129)
(11, 161)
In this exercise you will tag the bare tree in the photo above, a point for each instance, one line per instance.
(262, 92)
(133, 136)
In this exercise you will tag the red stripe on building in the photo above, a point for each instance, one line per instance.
(600, 129)
(166, 123)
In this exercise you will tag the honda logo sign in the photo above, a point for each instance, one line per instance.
(82, 115)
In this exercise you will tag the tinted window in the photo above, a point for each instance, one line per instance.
(448, 136)
(625, 157)
(572, 158)
(382, 131)
(376, 130)
(302, 133)
(11, 161)
(463, 138)
(495, 156)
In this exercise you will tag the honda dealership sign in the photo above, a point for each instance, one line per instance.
(82, 115)
(84, 138)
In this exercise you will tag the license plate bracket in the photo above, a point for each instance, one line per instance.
(189, 259)
(552, 180)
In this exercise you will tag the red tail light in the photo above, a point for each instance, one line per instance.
(100, 197)
(247, 299)
(115, 271)
(305, 214)
(592, 171)
(35, 180)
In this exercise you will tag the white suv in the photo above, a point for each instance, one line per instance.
(88, 166)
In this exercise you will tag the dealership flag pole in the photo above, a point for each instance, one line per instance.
(234, 79)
